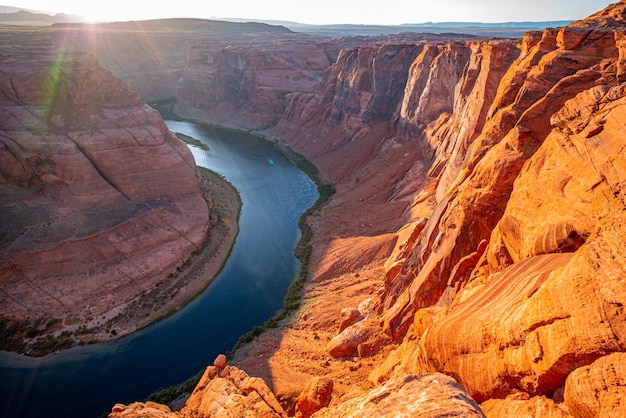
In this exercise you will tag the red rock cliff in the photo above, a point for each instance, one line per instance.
(100, 201)
(492, 176)
(521, 253)
(244, 84)
(508, 276)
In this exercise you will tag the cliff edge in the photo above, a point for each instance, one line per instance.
(99, 200)
(473, 250)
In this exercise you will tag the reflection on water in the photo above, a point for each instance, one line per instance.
(87, 381)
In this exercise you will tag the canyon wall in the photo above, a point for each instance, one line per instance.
(479, 188)
(246, 83)
(99, 200)
(498, 166)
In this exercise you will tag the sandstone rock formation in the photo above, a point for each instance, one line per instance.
(522, 406)
(598, 390)
(433, 395)
(100, 201)
(228, 391)
(316, 395)
(141, 409)
(490, 175)
(514, 233)
(538, 188)
(223, 391)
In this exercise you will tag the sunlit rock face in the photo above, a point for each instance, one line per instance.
(433, 395)
(100, 201)
(515, 227)
(522, 248)
(491, 176)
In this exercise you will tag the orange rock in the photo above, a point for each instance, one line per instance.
(349, 316)
(538, 406)
(231, 394)
(598, 390)
(364, 338)
(433, 395)
(220, 362)
(140, 409)
(316, 395)
(536, 86)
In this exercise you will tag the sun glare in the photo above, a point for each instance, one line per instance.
(116, 11)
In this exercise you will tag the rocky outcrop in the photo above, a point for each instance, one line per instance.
(433, 395)
(521, 225)
(141, 409)
(223, 391)
(316, 395)
(496, 173)
(598, 390)
(100, 200)
(226, 391)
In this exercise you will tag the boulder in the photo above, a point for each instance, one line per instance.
(229, 392)
(349, 316)
(434, 395)
(316, 395)
(141, 410)
(598, 390)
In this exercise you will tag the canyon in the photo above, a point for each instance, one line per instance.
(471, 261)
(102, 207)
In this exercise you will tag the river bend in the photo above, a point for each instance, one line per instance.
(86, 381)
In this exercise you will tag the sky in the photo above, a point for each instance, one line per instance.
(386, 12)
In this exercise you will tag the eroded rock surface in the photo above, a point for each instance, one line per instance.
(433, 395)
(223, 391)
(99, 200)
(540, 185)
(228, 391)
(316, 395)
(598, 390)
(488, 178)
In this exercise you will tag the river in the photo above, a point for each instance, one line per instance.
(86, 381)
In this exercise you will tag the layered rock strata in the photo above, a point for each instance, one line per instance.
(100, 201)
(508, 275)
(248, 83)
(541, 187)
(150, 56)
(490, 177)
(433, 395)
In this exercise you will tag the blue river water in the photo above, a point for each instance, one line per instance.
(86, 381)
